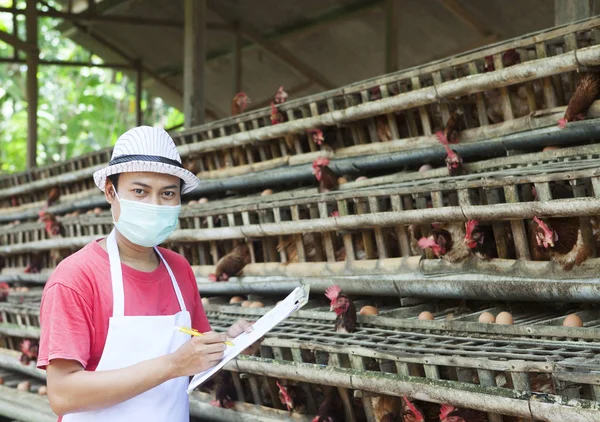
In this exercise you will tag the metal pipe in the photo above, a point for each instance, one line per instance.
(537, 138)
(459, 286)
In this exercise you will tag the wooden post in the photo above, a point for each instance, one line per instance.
(15, 31)
(194, 49)
(139, 115)
(32, 83)
(391, 36)
(571, 11)
(237, 58)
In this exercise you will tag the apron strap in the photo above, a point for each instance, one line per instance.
(175, 284)
(116, 275)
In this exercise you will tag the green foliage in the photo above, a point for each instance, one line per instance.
(79, 109)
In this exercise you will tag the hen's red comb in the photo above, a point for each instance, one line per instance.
(470, 226)
(426, 242)
(412, 407)
(543, 226)
(333, 292)
(445, 410)
(321, 161)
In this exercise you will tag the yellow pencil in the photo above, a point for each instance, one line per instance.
(194, 332)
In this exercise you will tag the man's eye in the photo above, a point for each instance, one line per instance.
(139, 191)
(169, 194)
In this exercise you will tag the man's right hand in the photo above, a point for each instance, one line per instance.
(198, 354)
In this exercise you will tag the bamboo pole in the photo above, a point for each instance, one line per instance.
(240, 412)
(555, 208)
(25, 407)
(471, 84)
(489, 399)
(508, 211)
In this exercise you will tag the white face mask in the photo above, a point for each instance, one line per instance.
(146, 224)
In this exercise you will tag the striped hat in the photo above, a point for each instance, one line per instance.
(146, 149)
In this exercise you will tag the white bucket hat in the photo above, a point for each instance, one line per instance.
(146, 149)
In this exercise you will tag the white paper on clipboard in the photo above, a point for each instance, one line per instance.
(289, 305)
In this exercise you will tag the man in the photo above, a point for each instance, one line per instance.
(109, 312)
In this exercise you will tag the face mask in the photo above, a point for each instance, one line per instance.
(146, 224)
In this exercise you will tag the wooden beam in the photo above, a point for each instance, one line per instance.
(273, 48)
(194, 50)
(391, 35)
(68, 63)
(116, 19)
(466, 17)
(16, 42)
(32, 83)
(567, 11)
(15, 28)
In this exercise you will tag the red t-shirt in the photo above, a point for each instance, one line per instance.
(77, 302)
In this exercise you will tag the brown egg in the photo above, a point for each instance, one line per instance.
(573, 320)
(205, 301)
(74, 213)
(361, 178)
(257, 305)
(550, 148)
(426, 316)
(202, 200)
(342, 180)
(24, 386)
(24, 289)
(246, 304)
(90, 212)
(1, 380)
(236, 299)
(267, 192)
(192, 202)
(97, 210)
(369, 310)
(487, 317)
(43, 390)
(425, 167)
(504, 318)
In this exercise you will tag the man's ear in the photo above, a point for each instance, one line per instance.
(109, 192)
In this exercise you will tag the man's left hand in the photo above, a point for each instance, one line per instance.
(243, 326)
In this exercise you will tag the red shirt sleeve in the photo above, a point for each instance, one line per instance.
(67, 327)
(198, 315)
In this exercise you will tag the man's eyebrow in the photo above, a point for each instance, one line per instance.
(171, 187)
(141, 184)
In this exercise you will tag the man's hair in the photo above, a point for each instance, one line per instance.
(114, 179)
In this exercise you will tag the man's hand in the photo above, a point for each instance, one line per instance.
(243, 326)
(198, 354)
(239, 327)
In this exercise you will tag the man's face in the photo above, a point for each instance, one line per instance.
(150, 188)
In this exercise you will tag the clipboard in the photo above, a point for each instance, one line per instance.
(294, 301)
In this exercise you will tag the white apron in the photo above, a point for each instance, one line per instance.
(133, 339)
